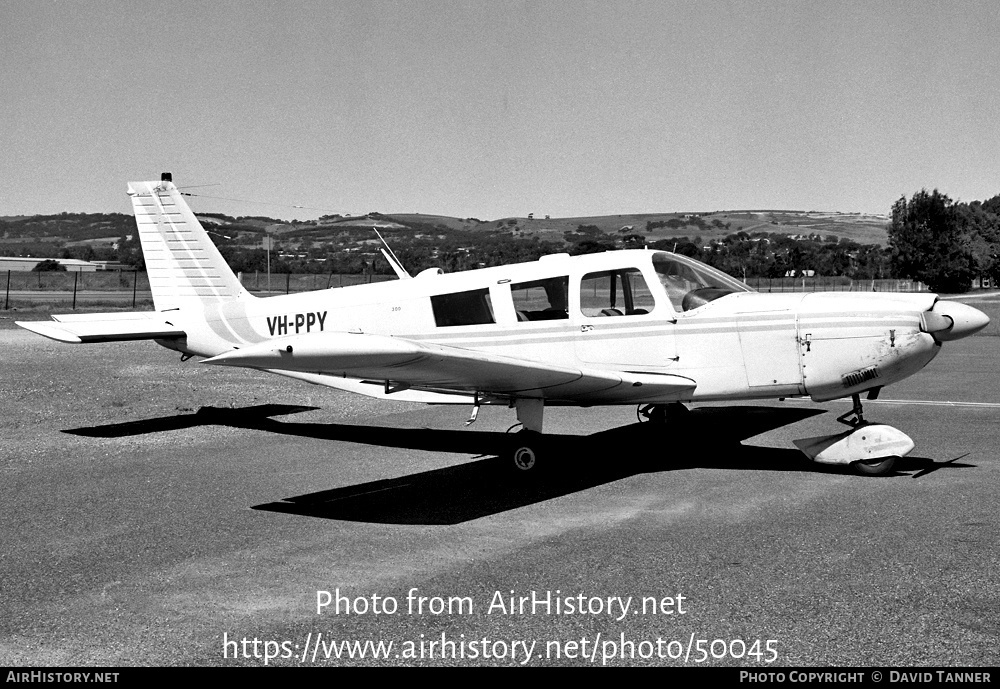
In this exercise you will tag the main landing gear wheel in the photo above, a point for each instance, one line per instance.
(661, 413)
(525, 451)
(875, 467)
(525, 458)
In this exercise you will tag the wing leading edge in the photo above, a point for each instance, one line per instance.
(401, 364)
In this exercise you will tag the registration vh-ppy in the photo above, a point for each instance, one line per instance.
(635, 327)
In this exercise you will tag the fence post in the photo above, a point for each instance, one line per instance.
(6, 299)
(76, 279)
(135, 281)
(288, 282)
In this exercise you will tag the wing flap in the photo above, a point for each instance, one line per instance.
(378, 390)
(104, 327)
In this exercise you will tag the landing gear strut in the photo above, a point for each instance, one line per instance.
(858, 414)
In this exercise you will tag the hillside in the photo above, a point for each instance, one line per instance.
(102, 230)
(865, 229)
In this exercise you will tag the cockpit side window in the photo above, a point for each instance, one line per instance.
(463, 308)
(541, 300)
(690, 284)
(622, 292)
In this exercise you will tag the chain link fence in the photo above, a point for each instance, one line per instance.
(131, 288)
(834, 284)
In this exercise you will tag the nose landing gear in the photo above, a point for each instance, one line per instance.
(870, 448)
(855, 417)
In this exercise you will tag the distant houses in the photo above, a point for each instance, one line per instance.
(72, 265)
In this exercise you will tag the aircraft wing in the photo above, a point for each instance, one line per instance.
(104, 327)
(393, 365)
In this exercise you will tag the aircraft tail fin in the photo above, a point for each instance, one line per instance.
(185, 268)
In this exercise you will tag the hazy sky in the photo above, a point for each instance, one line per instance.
(491, 109)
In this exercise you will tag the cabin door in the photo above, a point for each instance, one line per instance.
(620, 325)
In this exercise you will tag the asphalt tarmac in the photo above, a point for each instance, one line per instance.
(158, 513)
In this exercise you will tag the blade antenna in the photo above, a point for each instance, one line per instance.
(391, 257)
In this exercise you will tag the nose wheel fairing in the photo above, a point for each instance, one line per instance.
(871, 448)
(866, 442)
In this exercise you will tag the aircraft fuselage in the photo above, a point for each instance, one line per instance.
(742, 345)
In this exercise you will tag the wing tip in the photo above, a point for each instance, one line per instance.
(49, 330)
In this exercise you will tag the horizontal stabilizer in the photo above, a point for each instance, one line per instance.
(105, 327)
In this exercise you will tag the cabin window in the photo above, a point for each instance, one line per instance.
(541, 300)
(615, 293)
(463, 308)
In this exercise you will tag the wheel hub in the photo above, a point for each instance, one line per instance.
(524, 458)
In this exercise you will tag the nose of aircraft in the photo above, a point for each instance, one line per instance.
(951, 320)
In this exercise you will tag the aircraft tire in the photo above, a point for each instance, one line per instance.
(525, 452)
(875, 467)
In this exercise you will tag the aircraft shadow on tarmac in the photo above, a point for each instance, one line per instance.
(490, 485)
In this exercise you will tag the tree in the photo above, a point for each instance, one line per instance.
(992, 205)
(592, 246)
(981, 225)
(931, 243)
(129, 252)
(48, 265)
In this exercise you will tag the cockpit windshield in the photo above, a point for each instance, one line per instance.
(690, 284)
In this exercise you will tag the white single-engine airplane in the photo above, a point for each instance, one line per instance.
(640, 327)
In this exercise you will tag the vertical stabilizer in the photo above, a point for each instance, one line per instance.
(185, 268)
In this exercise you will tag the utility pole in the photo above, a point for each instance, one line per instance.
(267, 245)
